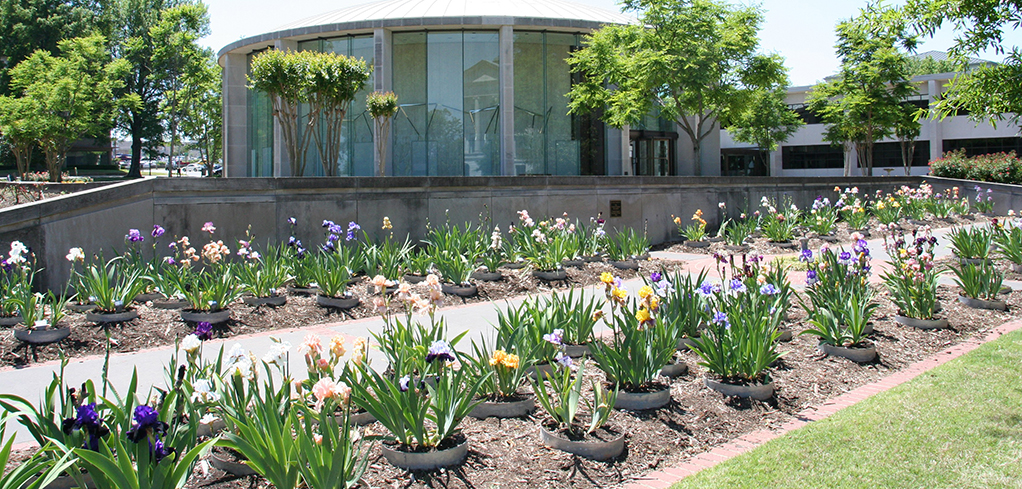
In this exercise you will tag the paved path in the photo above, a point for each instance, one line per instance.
(477, 319)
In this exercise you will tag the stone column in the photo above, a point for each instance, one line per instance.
(626, 150)
(933, 89)
(383, 81)
(507, 100)
(235, 130)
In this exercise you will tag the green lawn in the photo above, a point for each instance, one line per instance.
(957, 426)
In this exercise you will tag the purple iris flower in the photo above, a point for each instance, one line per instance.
(135, 236)
(563, 359)
(720, 317)
(811, 277)
(655, 277)
(88, 420)
(440, 349)
(861, 246)
(352, 227)
(707, 288)
(845, 258)
(327, 223)
(158, 230)
(292, 241)
(292, 221)
(335, 229)
(738, 286)
(555, 338)
(204, 330)
(768, 289)
(807, 255)
(403, 383)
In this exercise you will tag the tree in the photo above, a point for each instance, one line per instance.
(991, 92)
(765, 121)
(906, 130)
(16, 126)
(202, 113)
(176, 50)
(72, 95)
(382, 107)
(695, 59)
(29, 25)
(327, 82)
(863, 103)
(143, 27)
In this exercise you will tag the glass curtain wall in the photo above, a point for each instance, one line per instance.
(545, 143)
(447, 87)
(260, 133)
(356, 157)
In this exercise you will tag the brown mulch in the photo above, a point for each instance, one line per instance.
(11, 195)
(160, 327)
(507, 453)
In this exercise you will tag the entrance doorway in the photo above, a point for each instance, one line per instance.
(652, 156)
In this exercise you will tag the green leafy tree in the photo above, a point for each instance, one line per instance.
(930, 66)
(765, 121)
(176, 50)
(695, 59)
(72, 95)
(143, 29)
(906, 130)
(202, 114)
(382, 106)
(862, 104)
(18, 131)
(30, 25)
(326, 82)
(991, 92)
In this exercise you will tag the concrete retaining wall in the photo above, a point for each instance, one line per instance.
(1005, 196)
(98, 219)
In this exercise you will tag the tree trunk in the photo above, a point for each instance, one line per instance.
(698, 165)
(135, 170)
(382, 133)
(848, 147)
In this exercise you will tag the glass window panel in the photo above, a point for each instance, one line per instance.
(562, 145)
(530, 104)
(481, 103)
(409, 125)
(445, 100)
(359, 160)
(260, 133)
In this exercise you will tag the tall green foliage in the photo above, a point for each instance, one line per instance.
(695, 59)
(991, 92)
(326, 82)
(73, 95)
(862, 104)
(765, 121)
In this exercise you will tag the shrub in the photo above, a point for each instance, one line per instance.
(996, 167)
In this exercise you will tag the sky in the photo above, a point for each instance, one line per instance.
(800, 30)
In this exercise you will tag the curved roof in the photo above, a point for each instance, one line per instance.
(410, 14)
(411, 9)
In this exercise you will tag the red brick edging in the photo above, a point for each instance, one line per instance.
(666, 477)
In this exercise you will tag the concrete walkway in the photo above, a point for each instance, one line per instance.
(477, 319)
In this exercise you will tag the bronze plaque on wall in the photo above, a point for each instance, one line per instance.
(615, 208)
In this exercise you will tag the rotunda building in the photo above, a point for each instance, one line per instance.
(482, 90)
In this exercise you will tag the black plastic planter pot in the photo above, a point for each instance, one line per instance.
(858, 355)
(921, 323)
(79, 307)
(460, 290)
(111, 317)
(760, 392)
(573, 263)
(425, 460)
(273, 300)
(345, 303)
(983, 304)
(697, 244)
(216, 317)
(594, 450)
(513, 409)
(42, 336)
(10, 320)
(642, 401)
(487, 276)
(676, 369)
(414, 279)
(550, 276)
(625, 265)
(172, 304)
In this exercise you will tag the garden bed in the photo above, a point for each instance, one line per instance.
(160, 327)
(507, 453)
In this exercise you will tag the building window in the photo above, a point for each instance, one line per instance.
(889, 155)
(812, 157)
(974, 147)
(545, 143)
(356, 154)
(447, 85)
(260, 132)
